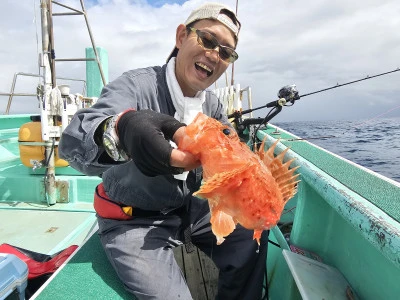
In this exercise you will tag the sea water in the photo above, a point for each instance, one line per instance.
(374, 144)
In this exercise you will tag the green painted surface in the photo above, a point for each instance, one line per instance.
(378, 191)
(14, 175)
(330, 219)
(93, 78)
(318, 227)
(281, 284)
(88, 275)
(13, 121)
(80, 188)
(336, 219)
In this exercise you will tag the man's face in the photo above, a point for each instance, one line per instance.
(198, 68)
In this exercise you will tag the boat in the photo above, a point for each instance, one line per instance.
(338, 238)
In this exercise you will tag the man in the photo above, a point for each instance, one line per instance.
(144, 207)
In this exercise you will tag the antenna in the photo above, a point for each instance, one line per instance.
(233, 64)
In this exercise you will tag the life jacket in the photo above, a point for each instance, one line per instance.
(108, 209)
(39, 264)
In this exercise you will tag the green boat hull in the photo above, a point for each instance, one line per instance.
(345, 214)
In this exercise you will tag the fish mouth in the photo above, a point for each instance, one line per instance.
(204, 68)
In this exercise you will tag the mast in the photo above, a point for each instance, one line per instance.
(57, 105)
(47, 108)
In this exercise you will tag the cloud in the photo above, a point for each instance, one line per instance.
(313, 46)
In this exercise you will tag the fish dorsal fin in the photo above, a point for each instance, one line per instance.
(267, 156)
(222, 179)
(283, 176)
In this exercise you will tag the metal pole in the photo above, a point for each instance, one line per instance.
(93, 44)
(49, 180)
(11, 94)
(52, 53)
(233, 64)
(75, 59)
(68, 7)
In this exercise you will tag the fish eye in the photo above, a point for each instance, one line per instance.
(226, 131)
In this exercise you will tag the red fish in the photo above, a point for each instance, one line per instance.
(241, 186)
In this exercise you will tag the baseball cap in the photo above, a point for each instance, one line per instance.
(213, 11)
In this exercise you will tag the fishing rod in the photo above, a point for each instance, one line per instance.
(286, 97)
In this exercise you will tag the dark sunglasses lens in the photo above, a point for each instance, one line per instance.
(225, 53)
(207, 40)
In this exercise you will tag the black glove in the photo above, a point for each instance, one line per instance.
(144, 134)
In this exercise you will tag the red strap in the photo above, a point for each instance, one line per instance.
(106, 208)
(37, 268)
(119, 117)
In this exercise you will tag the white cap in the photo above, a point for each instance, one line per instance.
(213, 11)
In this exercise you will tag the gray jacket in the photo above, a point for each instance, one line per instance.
(139, 89)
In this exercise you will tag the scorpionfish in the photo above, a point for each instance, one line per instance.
(241, 186)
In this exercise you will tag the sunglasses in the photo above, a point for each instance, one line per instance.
(209, 42)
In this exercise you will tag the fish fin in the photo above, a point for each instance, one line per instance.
(222, 224)
(267, 156)
(220, 180)
(283, 176)
(257, 236)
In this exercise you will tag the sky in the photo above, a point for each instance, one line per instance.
(314, 44)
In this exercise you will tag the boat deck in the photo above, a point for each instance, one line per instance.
(200, 272)
(48, 229)
(44, 230)
(347, 215)
(89, 271)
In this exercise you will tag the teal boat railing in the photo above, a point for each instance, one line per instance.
(337, 218)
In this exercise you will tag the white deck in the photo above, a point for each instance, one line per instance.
(45, 231)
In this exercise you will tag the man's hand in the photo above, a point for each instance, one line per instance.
(180, 158)
(144, 135)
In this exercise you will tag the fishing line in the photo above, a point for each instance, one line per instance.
(344, 132)
(289, 210)
(380, 115)
(263, 121)
(310, 138)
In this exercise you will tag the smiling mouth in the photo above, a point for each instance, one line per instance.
(203, 68)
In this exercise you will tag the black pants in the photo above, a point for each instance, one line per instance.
(140, 251)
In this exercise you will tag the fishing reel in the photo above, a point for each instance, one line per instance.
(287, 94)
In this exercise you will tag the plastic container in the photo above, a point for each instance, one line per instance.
(13, 275)
(316, 280)
(32, 132)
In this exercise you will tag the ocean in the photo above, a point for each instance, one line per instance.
(374, 144)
